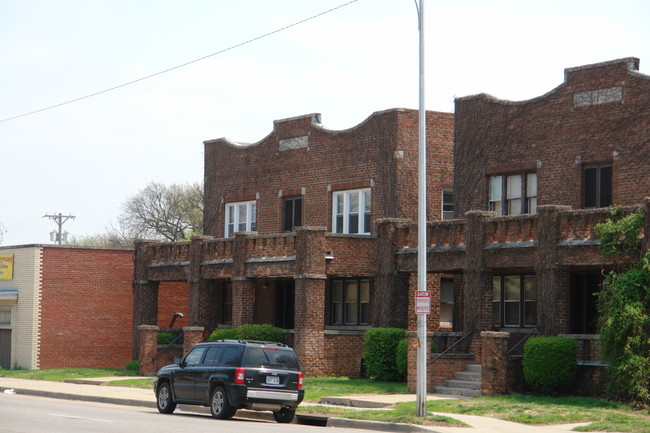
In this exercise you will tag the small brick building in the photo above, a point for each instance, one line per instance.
(292, 235)
(65, 306)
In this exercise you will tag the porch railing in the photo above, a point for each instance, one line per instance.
(512, 349)
(166, 348)
(452, 346)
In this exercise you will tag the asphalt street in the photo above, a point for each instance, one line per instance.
(28, 414)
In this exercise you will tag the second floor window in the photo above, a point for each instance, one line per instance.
(241, 217)
(597, 186)
(447, 204)
(292, 213)
(351, 211)
(513, 194)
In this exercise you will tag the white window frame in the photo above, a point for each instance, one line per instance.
(508, 194)
(233, 217)
(6, 311)
(447, 206)
(344, 197)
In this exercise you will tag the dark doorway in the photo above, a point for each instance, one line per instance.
(285, 291)
(584, 311)
(5, 349)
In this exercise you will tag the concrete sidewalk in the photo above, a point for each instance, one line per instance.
(93, 391)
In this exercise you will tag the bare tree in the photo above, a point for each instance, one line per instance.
(171, 213)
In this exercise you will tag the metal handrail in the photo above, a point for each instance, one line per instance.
(168, 346)
(521, 341)
(452, 346)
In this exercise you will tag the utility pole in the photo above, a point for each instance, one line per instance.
(421, 369)
(60, 220)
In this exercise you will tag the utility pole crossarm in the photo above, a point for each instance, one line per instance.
(60, 220)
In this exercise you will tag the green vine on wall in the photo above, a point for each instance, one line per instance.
(624, 308)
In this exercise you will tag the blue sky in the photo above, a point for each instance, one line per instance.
(86, 158)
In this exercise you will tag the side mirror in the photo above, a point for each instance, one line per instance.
(177, 360)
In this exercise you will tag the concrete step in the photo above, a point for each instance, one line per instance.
(462, 392)
(465, 375)
(454, 383)
(473, 368)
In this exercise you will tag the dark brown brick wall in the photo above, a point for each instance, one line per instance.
(363, 156)
(555, 138)
(86, 308)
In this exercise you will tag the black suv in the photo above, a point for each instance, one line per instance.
(230, 374)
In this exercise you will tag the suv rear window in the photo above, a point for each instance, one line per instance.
(270, 357)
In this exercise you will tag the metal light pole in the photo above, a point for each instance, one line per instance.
(421, 378)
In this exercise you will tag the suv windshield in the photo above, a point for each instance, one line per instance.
(270, 357)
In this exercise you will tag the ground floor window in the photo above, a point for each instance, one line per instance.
(5, 317)
(514, 300)
(446, 302)
(350, 299)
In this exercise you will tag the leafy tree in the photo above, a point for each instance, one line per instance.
(171, 213)
(624, 308)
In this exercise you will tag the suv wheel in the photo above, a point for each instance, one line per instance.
(284, 415)
(219, 406)
(164, 400)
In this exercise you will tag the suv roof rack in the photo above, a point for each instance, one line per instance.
(268, 343)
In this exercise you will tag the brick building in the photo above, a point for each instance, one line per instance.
(291, 233)
(531, 181)
(313, 230)
(65, 306)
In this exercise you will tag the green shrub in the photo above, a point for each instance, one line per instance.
(132, 366)
(165, 338)
(225, 334)
(401, 356)
(380, 346)
(249, 332)
(262, 333)
(550, 364)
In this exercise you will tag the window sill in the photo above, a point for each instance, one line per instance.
(346, 330)
(513, 329)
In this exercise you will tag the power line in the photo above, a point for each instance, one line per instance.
(71, 101)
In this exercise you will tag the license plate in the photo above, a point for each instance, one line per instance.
(273, 380)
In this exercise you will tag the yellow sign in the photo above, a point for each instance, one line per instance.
(6, 266)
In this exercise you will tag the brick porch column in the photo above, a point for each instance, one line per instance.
(243, 290)
(310, 283)
(389, 303)
(192, 335)
(148, 338)
(202, 295)
(243, 301)
(494, 374)
(145, 293)
(477, 283)
(549, 273)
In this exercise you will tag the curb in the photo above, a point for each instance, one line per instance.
(77, 397)
(306, 419)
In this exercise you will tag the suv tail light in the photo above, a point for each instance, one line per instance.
(239, 376)
(299, 380)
